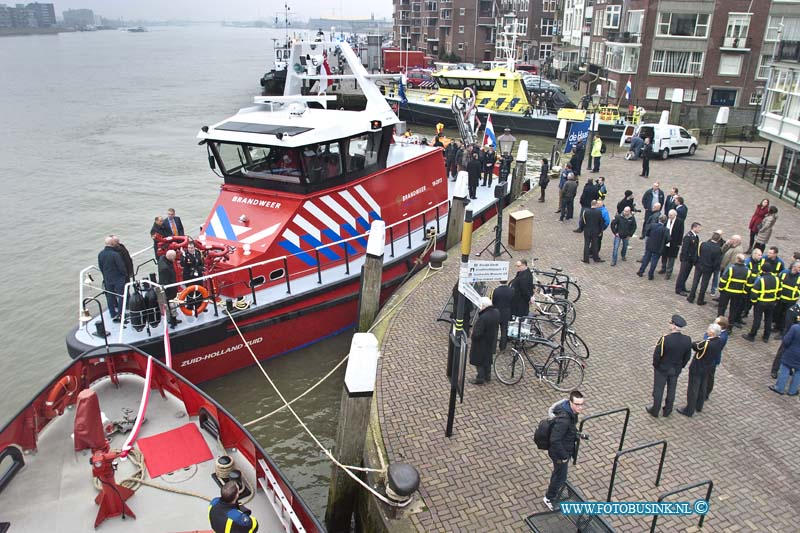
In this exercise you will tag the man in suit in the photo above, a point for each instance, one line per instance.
(593, 224)
(688, 257)
(173, 224)
(474, 173)
(114, 277)
(501, 299)
(709, 257)
(652, 201)
(522, 285)
(681, 208)
(673, 244)
(670, 356)
(706, 353)
(588, 196)
(652, 249)
(167, 276)
(669, 201)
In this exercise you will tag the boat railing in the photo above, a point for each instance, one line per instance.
(394, 233)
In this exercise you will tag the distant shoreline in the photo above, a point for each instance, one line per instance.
(9, 32)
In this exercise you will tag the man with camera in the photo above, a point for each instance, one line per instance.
(227, 516)
(563, 436)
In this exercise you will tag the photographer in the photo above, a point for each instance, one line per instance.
(227, 516)
(563, 436)
(628, 201)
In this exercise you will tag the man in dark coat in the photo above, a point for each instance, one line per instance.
(623, 227)
(669, 200)
(652, 201)
(568, 193)
(580, 153)
(522, 285)
(484, 341)
(126, 256)
(670, 356)
(501, 299)
(593, 227)
(688, 257)
(709, 257)
(646, 154)
(474, 173)
(114, 277)
(173, 224)
(653, 246)
(706, 353)
(681, 208)
(790, 360)
(673, 244)
(544, 178)
(488, 160)
(167, 276)
(158, 233)
(563, 437)
(589, 195)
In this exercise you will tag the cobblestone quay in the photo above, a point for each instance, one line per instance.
(489, 476)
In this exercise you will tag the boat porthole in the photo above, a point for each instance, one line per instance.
(276, 274)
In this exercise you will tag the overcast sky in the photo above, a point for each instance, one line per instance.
(226, 10)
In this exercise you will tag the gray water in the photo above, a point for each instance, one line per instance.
(97, 136)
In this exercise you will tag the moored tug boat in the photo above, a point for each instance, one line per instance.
(63, 467)
(286, 238)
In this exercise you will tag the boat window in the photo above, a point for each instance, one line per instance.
(322, 161)
(462, 83)
(363, 150)
(265, 162)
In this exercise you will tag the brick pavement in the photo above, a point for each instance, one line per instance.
(490, 475)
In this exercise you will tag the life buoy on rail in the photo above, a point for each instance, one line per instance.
(195, 300)
(62, 391)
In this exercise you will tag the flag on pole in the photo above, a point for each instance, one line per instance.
(324, 72)
(628, 89)
(402, 91)
(488, 133)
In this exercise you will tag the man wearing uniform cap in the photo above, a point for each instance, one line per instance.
(670, 356)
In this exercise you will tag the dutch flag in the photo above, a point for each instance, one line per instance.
(488, 133)
(628, 89)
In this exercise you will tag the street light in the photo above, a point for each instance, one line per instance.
(506, 142)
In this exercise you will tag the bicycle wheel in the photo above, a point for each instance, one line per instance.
(564, 374)
(558, 307)
(509, 366)
(574, 346)
(574, 293)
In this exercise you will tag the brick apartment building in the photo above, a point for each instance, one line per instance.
(468, 29)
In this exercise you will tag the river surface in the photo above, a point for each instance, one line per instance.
(97, 137)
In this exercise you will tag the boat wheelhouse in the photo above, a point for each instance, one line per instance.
(303, 187)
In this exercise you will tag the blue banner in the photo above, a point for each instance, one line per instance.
(578, 131)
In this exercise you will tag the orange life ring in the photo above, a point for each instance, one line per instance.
(189, 296)
(62, 391)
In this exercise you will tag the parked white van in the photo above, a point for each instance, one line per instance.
(667, 139)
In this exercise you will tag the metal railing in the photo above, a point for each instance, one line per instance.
(762, 175)
(684, 489)
(406, 224)
(625, 410)
(620, 453)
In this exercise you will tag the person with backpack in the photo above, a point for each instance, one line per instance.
(563, 421)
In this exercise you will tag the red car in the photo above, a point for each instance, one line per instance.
(420, 78)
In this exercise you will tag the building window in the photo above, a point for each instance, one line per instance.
(689, 95)
(461, 29)
(652, 93)
(738, 25)
(523, 5)
(635, 22)
(460, 46)
(682, 25)
(547, 25)
(730, 65)
(545, 51)
(522, 26)
(674, 62)
(783, 94)
(763, 67)
(549, 6)
(791, 29)
(756, 96)
(448, 47)
(723, 97)
(612, 17)
(462, 11)
(612, 89)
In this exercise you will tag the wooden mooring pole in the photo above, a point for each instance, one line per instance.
(455, 219)
(369, 301)
(518, 175)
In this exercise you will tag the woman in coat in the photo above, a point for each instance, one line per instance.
(765, 228)
(755, 220)
(484, 341)
(544, 178)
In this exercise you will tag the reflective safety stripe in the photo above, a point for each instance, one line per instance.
(761, 293)
(790, 292)
(730, 284)
(228, 526)
(255, 525)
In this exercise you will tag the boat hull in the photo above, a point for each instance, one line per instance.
(426, 114)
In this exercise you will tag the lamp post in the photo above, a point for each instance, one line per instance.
(506, 142)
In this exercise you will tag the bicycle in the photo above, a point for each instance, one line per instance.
(563, 373)
(560, 284)
(551, 307)
(569, 342)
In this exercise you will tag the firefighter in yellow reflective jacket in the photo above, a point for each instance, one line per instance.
(789, 295)
(733, 290)
(227, 516)
(764, 296)
(753, 264)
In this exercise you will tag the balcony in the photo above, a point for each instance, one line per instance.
(733, 44)
(788, 51)
(621, 58)
(431, 23)
(623, 37)
(485, 18)
(416, 30)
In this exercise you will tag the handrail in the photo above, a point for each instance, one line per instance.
(636, 449)
(684, 489)
(598, 415)
(282, 258)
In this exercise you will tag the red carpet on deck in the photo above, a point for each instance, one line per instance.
(173, 450)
